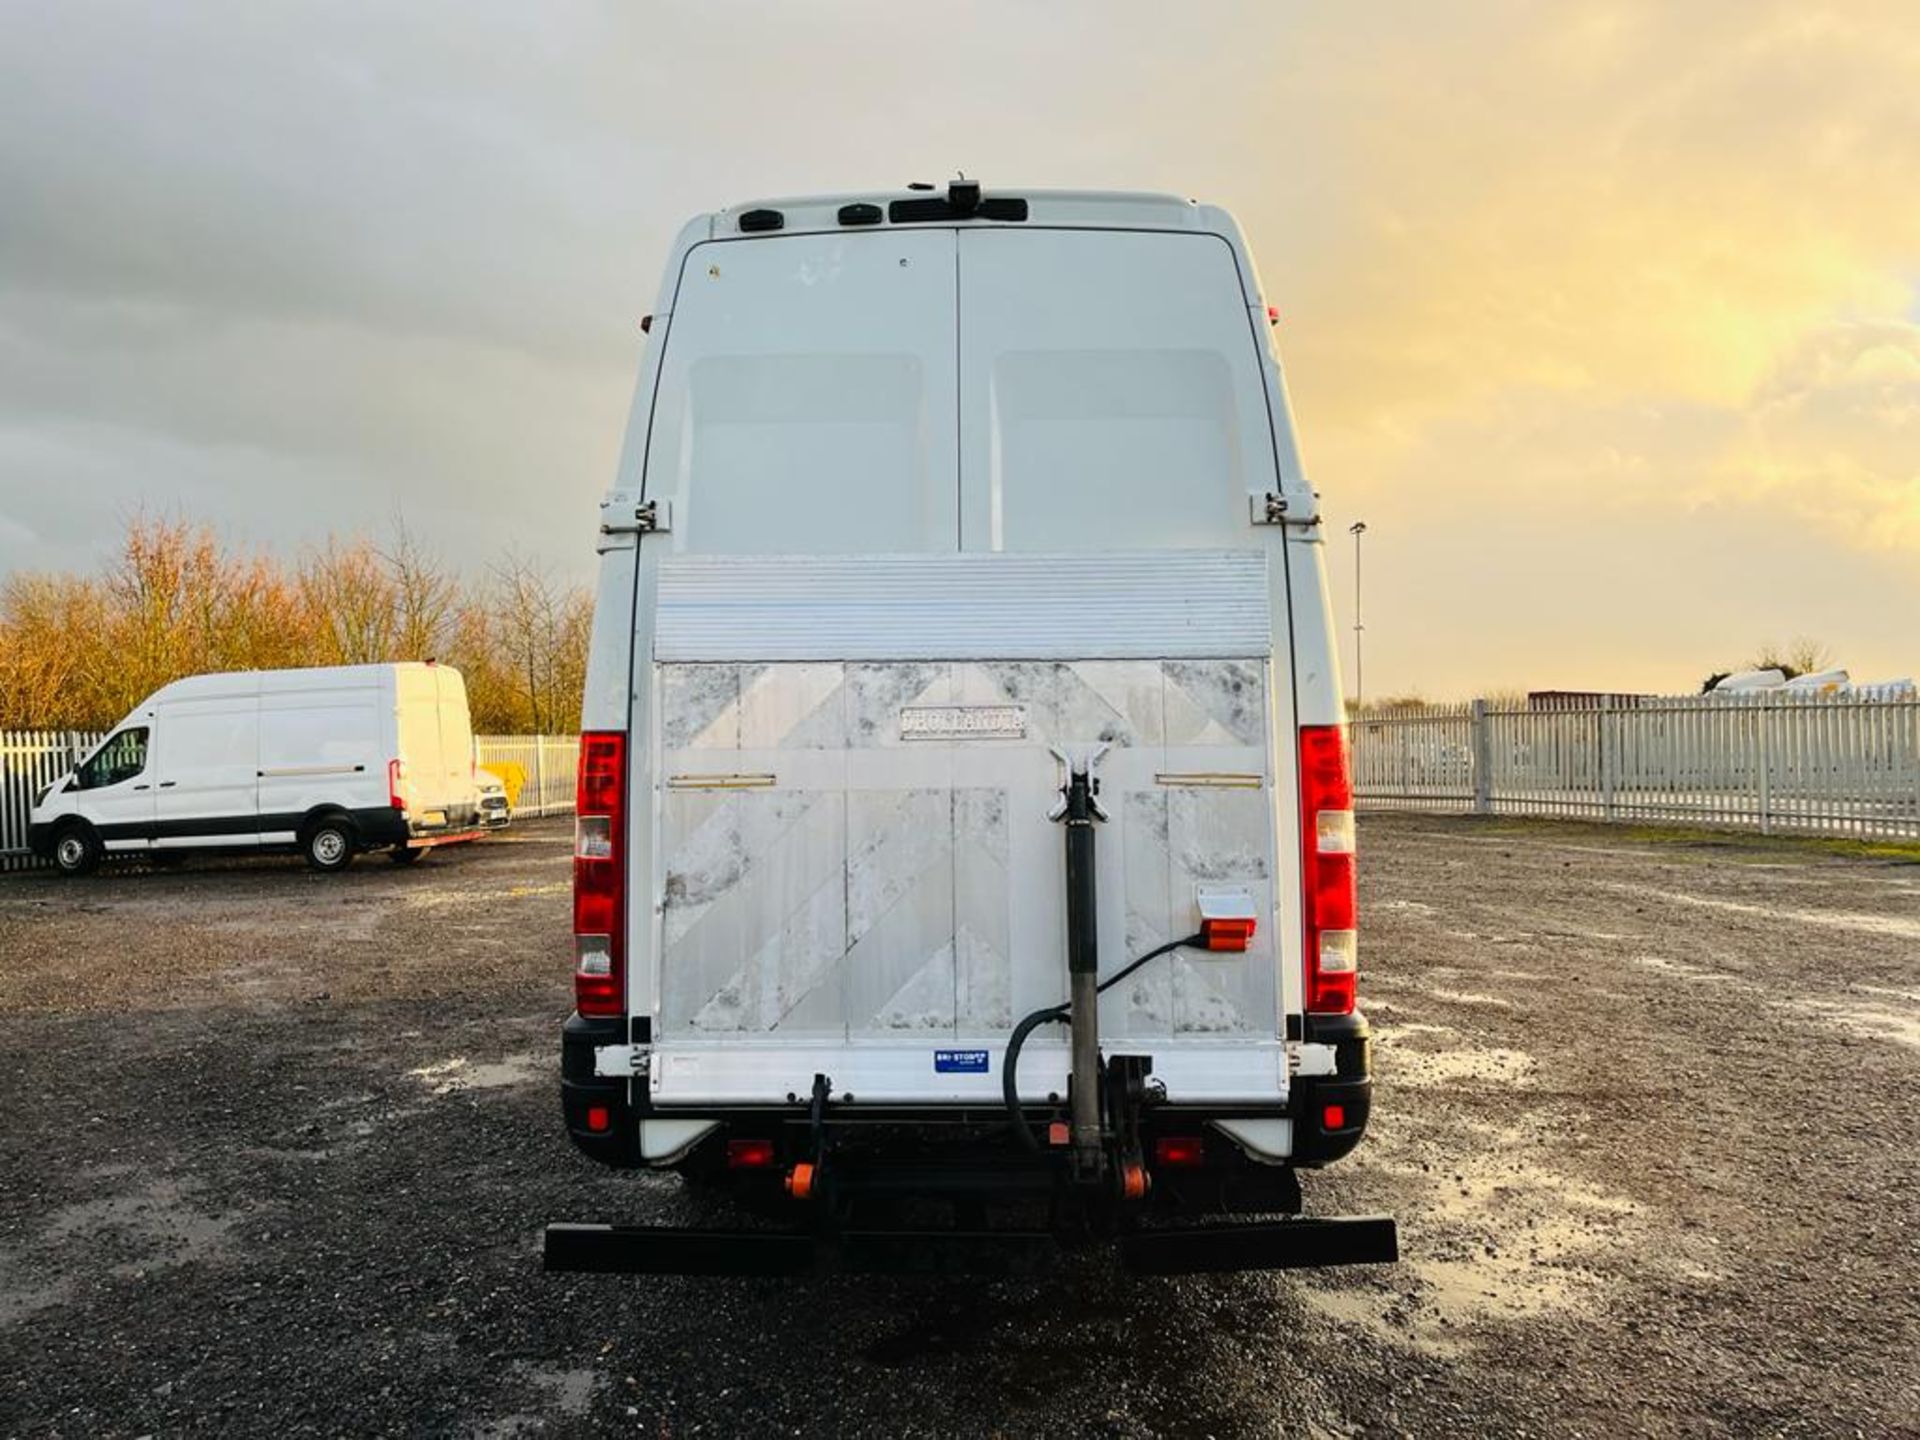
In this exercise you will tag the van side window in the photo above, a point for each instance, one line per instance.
(122, 757)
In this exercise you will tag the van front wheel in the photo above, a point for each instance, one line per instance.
(76, 851)
(329, 844)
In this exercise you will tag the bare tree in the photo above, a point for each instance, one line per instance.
(526, 614)
(425, 596)
(351, 593)
(1802, 655)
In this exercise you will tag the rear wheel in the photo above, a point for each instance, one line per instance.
(329, 844)
(76, 851)
(407, 854)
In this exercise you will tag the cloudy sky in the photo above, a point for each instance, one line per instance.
(1605, 317)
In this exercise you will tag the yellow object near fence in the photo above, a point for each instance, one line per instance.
(537, 770)
(512, 774)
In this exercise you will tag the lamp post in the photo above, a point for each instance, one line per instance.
(1357, 529)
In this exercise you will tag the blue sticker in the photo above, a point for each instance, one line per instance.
(960, 1062)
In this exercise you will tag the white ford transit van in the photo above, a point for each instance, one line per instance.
(328, 761)
(965, 847)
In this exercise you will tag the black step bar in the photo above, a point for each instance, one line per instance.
(1191, 1250)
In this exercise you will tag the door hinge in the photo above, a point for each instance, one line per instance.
(650, 517)
(1272, 509)
(620, 1060)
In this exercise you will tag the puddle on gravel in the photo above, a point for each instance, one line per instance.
(1384, 1030)
(336, 922)
(567, 1395)
(1461, 997)
(155, 1226)
(1888, 925)
(1428, 1069)
(1879, 1024)
(1450, 1064)
(445, 1077)
(478, 899)
(1888, 990)
(1875, 1021)
(1441, 1055)
(1680, 968)
(157, 1217)
(1497, 1238)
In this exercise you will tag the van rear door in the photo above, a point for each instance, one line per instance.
(853, 740)
(1114, 398)
(1111, 393)
(423, 759)
(806, 396)
(459, 791)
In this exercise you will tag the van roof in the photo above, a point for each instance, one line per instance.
(1101, 209)
(248, 682)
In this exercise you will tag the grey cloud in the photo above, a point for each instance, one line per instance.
(287, 268)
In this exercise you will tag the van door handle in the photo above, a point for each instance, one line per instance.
(139, 787)
(166, 784)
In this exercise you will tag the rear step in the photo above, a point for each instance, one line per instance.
(1191, 1250)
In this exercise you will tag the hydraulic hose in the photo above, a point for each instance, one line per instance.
(1010, 1066)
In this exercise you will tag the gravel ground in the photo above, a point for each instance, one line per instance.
(277, 1149)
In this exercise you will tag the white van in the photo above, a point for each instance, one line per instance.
(328, 761)
(964, 813)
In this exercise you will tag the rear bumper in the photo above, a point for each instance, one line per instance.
(448, 820)
(870, 1160)
(381, 825)
(599, 1110)
(1209, 1249)
(1330, 1112)
(603, 1113)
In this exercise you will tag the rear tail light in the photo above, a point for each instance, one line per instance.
(1329, 898)
(749, 1154)
(397, 784)
(1175, 1152)
(599, 875)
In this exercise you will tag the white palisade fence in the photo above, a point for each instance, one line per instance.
(1777, 762)
(31, 760)
(548, 763)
